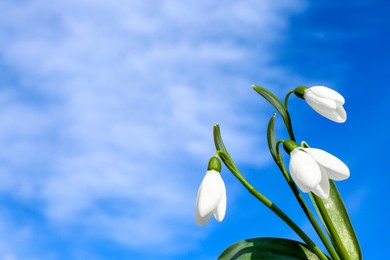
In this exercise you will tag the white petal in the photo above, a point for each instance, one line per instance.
(201, 220)
(320, 192)
(210, 193)
(334, 168)
(322, 189)
(303, 188)
(342, 115)
(304, 170)
(338, 115)
(332, 114)
(328, 113)
(328, 93)
(219, 212)
(321, 103)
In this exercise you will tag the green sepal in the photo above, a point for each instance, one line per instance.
(268, 248)
(214, 164)
(289, 145)
(300, 91)
(304, 144)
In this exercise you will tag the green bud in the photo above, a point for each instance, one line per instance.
(300, 91)
(289, 146)
(214, 164)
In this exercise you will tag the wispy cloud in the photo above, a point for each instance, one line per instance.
(108, 100)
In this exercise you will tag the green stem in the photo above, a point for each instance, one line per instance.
(289, 127)
(288, 124)
(268, 203)
(286, 98)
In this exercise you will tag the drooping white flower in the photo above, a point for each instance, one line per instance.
(324, 101)
(211, 198)
(311, 169)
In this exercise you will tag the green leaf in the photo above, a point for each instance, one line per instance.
(271, 138)
(218, 139)
(268, 248)
(271, 98)
(219, 145)
(336, 220)
(276, 103)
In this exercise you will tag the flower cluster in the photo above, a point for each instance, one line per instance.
(310, 170)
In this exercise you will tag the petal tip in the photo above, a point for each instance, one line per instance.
(321, 192)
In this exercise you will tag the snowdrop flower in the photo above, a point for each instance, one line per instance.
(311, 169)
(324, 101)
(211, 197)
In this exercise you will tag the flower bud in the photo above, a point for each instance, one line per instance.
(324, 101)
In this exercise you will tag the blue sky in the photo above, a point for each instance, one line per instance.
(107, 110)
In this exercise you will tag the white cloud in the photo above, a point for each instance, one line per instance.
(112, 98)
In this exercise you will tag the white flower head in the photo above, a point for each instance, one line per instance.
(311, 169)
(211, 198)
(324, 101)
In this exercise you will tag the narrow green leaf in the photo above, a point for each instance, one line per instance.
(276, 103)
(219, 145)
(271, 98)
(268, 248)
(336, 220)
(218, 139)
(271, 137)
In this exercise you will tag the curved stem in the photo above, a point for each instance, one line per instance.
(268, 203)
(286, 98)
(289, 127)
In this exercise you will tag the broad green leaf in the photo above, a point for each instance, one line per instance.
(275, 102)
(336, 220)
(268, 248)
(271, 137)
